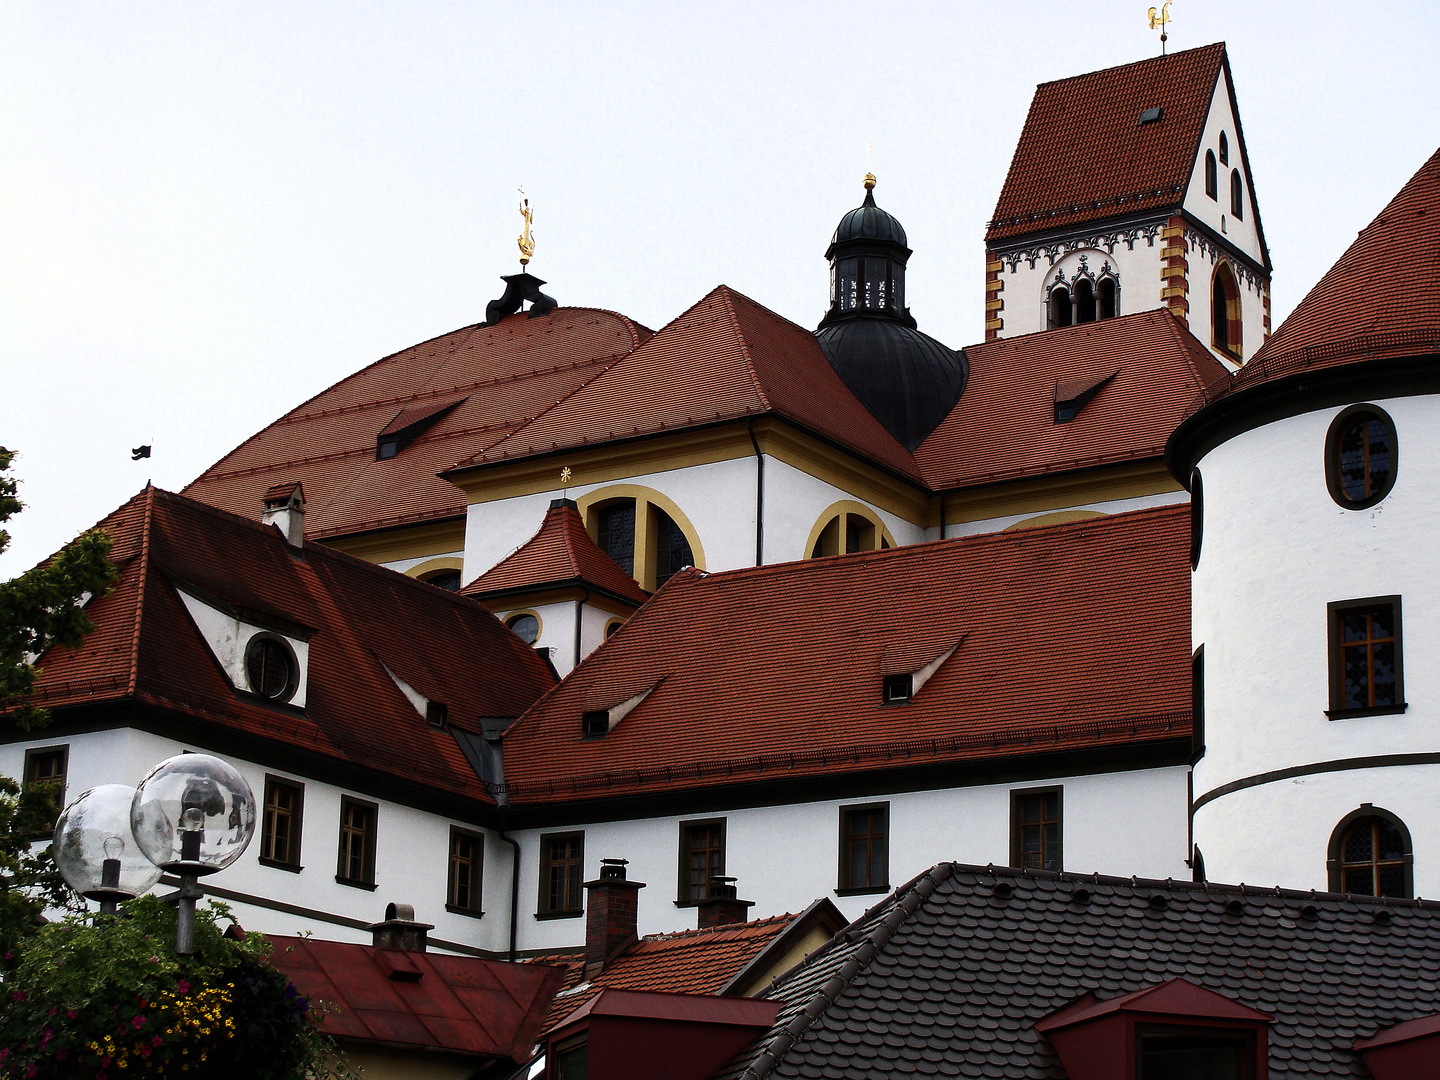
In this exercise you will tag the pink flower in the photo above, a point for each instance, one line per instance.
(156, 1041)
(137, 1022)
(31, 1070)
(19, 995)
(182, 987)
(70, 1014)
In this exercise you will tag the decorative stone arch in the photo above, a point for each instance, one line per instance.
(1225, 314)
(645, 524)
(1087, 295)
(1334, 853)
(431, 568)
(1055, 517)
(828, 541)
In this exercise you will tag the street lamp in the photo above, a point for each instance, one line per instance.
(95, 851)
(193, 815)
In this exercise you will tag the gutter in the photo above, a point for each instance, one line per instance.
(514, 883)
(759, 495)
(579, 610)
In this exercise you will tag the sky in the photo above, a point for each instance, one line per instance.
(211, 212)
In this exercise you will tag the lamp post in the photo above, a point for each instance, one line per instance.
(193, 815)
(95, 851)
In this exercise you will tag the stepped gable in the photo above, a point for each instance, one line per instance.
(1083, 154)
(560, 553)
(726, 358)
(947, 969)
(146, 650)
(1004, 425)
(506, 374)
(774, 674)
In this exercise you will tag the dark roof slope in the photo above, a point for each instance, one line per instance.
(507, 374)
(948, 976)
(1083, 154)
(775, 672)
(364, 619)
(1004, 425)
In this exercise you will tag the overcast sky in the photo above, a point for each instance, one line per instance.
(210, 212)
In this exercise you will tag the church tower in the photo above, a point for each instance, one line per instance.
(1130, 190)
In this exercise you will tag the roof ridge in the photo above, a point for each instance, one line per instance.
(1133, 63)
(715, 931)
(728, 297)
(142, 559)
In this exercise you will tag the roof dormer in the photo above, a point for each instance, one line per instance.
(261, 655)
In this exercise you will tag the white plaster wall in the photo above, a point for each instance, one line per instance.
(784, 857)
(1201, 257)
(557, 631)
(1216, 212)
(1136, 263)
(228, 637)
(1112, 506)
(495, 529)
(794, 501)
(404, 565)
(1279, 833)
(411, 851)
(1276, 550)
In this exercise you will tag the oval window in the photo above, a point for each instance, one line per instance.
(526, 626)
(1197, 517)
(1361, 456)
(270, 668)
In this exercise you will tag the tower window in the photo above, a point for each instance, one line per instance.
(617, 533)
(1225, 311)
(1212, 176)
(1084, 301)
(1365, 657)
(449, 580)
(1237, 195)
(1224, 149)
(848, 532)
(1060, 310)
(1035, 829)
(1109, 297)
(1360, 457)
(526, 627)
(1370, 855)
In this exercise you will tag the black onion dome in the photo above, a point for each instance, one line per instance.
(868, 222)
(908, 380)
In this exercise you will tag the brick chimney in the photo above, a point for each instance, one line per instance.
(400, 930)
(611, 915)
(285, 509)
(720, 905)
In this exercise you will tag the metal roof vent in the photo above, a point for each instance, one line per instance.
(1150, 116)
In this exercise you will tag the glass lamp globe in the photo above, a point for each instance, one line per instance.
(194, 814)
(95, 850)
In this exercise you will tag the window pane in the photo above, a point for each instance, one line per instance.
(1352, 461)
(1392, 881)
(1360, 881)
(616, 533)
(672, 550)
(1359, 845)
(1190, 1058)
(1356, 625)
(1357, 678)
(1383, 691)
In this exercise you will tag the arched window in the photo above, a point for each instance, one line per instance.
(1225, 311)
(1084, 301)
(672, 550)
(1109, 297)
(1212, 176)
(1224, 149)
(643, 531)
(1370, 855)
(526, 625)
(1060, 312)
(1237, 195)
(1361, 454)
(615, 532)
(449, 580)
(846, 528)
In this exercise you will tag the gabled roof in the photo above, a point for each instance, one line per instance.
(1083, 154)
(948, 969)
(420, 1000)
(560, 553)
(361, 620)
(1004, 425)
(744, 663)
(726, 358)
(506, 373)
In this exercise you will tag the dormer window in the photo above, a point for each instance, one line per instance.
(409, 424)
(387, 447)
(270, 668)
(595, 724)
(437, 715)
(898, 688)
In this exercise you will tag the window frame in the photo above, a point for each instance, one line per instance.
(1335, 612)
(1335, 853)
(1243, 1038)
(61, 781)
(367, 880)
(844, 883)
(682, 876)
(1197, 704)
(1334, 436)
(1224, 282)
(475, 908)
(1016, 835)
(292, 684)
(297, 821)
(543, 910)
(1197, 517)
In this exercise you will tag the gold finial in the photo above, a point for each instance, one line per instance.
(526, 240)
(1159, 20)
(870, 166)
(565, 475)
(869, 181)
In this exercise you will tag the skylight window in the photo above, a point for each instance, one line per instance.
(1150, 116)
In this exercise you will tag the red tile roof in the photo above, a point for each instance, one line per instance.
(1072, 636)
(506, 373)
(461, 1004)
(725, 358)
(1382, 299)
(1083, 154)
(146, 648)
(560, 552)
(1004, 425)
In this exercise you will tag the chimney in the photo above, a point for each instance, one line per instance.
(720, 905)
(611, 915)
(285, 509)
(400, 930)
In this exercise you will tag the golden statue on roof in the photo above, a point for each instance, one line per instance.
(1159, 20)
(526, 240)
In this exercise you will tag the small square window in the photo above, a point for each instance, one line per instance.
(437, 715)
(467, 861)
(562, 866)
(357, 843)
(1035, 829)
(280, 823)
(702, 856)
(864, 849)
(595, 724)
(898, 688)
(1365, 657)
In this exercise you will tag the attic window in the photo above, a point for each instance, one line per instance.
(1150, 116)
(898, 688)
(270, 668)
(408, 425)
(387, 447)
(1072, 395)
(437, 715)
(595, 724)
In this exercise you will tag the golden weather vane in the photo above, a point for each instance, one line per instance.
(870, 166)
(1159, 20)
(565, 475)
(526, 240)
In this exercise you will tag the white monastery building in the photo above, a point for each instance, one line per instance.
(1126, 587)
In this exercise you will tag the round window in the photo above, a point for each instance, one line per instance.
(1361, 456)
(526, 626)
(270, 668)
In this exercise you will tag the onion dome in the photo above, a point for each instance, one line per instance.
(908, 380)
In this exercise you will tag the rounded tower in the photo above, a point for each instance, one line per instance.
(908, 380)
(1314, 475)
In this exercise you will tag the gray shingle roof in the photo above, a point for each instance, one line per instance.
(947, 976)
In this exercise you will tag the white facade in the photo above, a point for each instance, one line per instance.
(1131, 254)
(1276, 551)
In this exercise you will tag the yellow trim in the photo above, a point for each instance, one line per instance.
(509, 615)
(1108, 484)
(645, 498)
(993, 264)
(995, 324)
(438, 538)
(1172, 230)
(842, 509)
(429, 566)
(606, 631)
(994, 305)
(1182, 289)
(998, 285)
(1058, 517)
